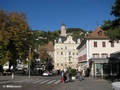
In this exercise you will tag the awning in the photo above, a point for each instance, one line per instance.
(99, 60)
(85, 65)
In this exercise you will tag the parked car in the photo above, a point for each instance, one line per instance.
(47, 73)
(50, 74)
(116, 85)
(7, 72)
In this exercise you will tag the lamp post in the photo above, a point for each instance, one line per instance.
(29, 58)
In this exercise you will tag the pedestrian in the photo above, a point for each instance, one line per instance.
(80, 77)
(62, 77)
(70, 76)
(65, 77)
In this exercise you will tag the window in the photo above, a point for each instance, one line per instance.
(103, 44)
(61, 53)
(104, 55)
(57, 64)
(98, 68)
(69, 59)
(59, 40)
(69, 53)
(65, 47)
(65, 64)
(100, 33)
(73, 53)
(95, 55)
(61, 64)
(112, 44)
(70, 62)
(95, 44)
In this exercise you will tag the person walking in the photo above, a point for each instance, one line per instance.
(70, 76)
(65, 77)
(62, 77)
(80, 77)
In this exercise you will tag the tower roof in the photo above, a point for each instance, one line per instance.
(63, 24)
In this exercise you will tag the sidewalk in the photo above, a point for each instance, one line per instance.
(89, 84)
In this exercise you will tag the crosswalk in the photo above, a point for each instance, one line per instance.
(38, 81)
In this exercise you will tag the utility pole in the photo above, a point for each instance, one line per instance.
(29, 58)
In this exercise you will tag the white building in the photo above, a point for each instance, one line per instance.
(65, 52)
(94, 51)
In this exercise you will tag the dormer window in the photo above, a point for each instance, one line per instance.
(100, 33)
(59, 40)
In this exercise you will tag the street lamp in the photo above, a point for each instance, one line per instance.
(29, 58)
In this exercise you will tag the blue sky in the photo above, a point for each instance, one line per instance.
(50, 14)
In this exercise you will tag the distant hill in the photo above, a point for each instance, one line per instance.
(41, 37)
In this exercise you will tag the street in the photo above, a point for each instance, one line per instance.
(51, 83)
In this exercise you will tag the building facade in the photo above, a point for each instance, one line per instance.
(94, 51)
(49, 48)
(65, 52)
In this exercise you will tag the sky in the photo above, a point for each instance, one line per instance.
(49, 15)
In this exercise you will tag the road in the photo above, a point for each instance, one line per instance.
(51, 83)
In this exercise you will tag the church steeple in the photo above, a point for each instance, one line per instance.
(63, 24)
(63, 30)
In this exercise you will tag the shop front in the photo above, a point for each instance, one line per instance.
(97, 67)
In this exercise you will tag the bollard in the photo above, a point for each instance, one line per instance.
(12, 75)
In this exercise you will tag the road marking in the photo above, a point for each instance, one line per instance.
(31, 80)
(45, 81)
(38, 81)
(51, 81)
(57, 82)
(23, 81)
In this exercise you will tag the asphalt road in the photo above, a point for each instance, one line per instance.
(51, 83)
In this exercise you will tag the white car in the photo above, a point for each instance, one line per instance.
(46, 73)
(116, 85)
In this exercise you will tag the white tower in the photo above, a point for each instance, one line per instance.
(63, 30)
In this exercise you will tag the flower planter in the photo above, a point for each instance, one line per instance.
(73, 78)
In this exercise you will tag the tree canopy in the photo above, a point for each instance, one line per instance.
(113, 26)
(14, 36)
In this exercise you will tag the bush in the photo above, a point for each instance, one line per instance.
(73, 72)
(69, 69)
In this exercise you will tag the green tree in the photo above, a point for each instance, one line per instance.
(113, 26)
(116, 9)
(46, 59)
(77, 32)
(14, 36)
